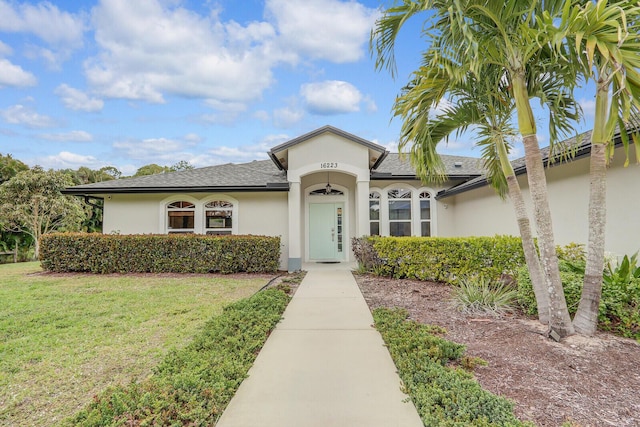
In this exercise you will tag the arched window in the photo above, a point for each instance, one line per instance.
(218, 216)
(374, 213)
(180, 217)
(399, 211)
(425, 213)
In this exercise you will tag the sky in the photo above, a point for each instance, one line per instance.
(129, 83)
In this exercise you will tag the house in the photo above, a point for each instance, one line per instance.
(319, 190)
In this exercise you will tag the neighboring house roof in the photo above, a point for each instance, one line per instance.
(259, 175)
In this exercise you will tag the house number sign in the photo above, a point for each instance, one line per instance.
(329, 165)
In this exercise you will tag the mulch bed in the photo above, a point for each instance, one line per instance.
(589, 382)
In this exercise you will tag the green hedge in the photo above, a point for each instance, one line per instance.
(619, 310)
(439, 258)
(193, 386)
(102, 253)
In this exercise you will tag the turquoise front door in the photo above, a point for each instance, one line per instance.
(326, 231)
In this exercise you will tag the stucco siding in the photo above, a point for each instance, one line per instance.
(480, 212)
(132, 213)
(265, 214)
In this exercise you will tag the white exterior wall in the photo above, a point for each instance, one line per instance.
(256, 213)
(480, 212)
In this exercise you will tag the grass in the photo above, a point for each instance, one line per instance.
(193, 385)
(65, 338)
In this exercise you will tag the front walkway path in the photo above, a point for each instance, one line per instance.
(324, 365)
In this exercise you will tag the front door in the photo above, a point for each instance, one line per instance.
(326, 231)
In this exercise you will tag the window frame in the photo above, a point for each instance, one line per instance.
(170, 208)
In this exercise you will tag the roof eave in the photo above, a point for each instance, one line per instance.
(271, 187)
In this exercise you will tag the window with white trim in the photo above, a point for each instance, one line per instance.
(399, 202)
(374, 213)
(425, 213)
(181, 217)
(218, 217)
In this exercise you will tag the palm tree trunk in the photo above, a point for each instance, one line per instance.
(528, 246)
(559, 319)
(586, 318)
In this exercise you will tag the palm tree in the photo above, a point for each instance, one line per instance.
(486, 106)
(604, 39)
(513, 36)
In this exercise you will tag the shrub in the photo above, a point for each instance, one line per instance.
(100, 253)
(439, 259)
(442, 395)
(619, 310)
(485, 296)
(192, 386)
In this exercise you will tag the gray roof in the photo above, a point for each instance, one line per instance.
(259, 175)
(567, 150)
(398, 166)
(264, 175)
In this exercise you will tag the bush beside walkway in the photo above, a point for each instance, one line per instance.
(194, 385)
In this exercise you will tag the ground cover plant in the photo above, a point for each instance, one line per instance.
(443, 395)
(578, 382)
(192, 386)
(66, 337)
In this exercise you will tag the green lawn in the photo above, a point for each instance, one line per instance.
(64, 338)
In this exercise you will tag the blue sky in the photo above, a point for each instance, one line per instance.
(127, 83)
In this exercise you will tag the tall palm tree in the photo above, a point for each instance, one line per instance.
(487, 107)
(603, 37)
(513, 36)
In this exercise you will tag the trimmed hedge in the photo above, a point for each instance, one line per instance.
(441, 259)
(193, 385)
(184, 253)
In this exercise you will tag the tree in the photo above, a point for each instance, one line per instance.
(151, 169)
(514, 37)
(604, 39)
(31, 202)
(9, 167)
(486, 105)
(111, 171)
(182, 165)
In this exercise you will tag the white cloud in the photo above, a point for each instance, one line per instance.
(77, 100)
(154, 150)
(14, 75)
(331, 97)
(333, 30)
(66, 159)
(287, 117)
(61, 30)
(588, 108)
(73, 136)
(5, 49)
(20, 115)
(148, 50)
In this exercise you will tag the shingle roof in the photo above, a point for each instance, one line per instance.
(396, 166)
(259, 175)
(578, 146)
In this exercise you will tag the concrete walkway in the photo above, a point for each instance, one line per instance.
(324, 365)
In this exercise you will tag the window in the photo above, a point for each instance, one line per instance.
(425, 214)
(399, 212)
(218, 216)
(374, 213)
(180, 217)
